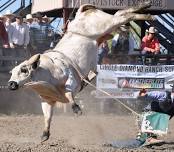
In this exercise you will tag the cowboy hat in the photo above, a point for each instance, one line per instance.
(29, 16)
(151, 30)
(8, 13)
(38, 15)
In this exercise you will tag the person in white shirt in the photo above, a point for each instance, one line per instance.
(9, 28)
(20, 36)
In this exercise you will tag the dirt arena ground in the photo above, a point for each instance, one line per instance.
(21, 125)
(86, 133)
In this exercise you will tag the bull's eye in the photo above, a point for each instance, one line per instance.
(24, 70)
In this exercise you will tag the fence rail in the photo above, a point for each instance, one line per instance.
(9, 58)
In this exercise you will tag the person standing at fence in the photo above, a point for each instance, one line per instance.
(150, 45)
(3, 34)
(29, 20)
(20, 37)
(46, 20)
(103, 51)
(122, 43)
(3, 38)
(41, 35)
(9, 16)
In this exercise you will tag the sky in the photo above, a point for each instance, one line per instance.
(13, 7)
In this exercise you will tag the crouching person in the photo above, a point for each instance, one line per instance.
(156, 115)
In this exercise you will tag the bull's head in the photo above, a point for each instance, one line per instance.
(23, 72)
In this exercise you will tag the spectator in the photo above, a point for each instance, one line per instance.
(160, 107)
(150, 44)
(20, 36)
(46, 20)
(9, 28)
(3, 33)
(41, 35)
(102, 51)
(122, 43)
(29, 20)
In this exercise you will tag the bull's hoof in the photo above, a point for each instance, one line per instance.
(45, 136)
(76, 109)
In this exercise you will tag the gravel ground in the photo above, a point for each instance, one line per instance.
(72, 134)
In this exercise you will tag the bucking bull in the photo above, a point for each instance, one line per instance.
(57, 75)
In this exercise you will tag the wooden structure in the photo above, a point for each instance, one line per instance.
(67, 8)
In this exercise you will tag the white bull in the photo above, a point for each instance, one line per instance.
(56, 74)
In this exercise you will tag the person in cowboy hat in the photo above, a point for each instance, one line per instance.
(38, 17)
(156, 115)
(9, 16)
(41, 35)
(122, 42)
(29, 20)
(9, 28)
(150, 44)
(45, 19)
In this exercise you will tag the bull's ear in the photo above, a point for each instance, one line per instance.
(34, 60)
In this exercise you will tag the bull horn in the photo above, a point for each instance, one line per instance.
(86, 7)
(33, 59)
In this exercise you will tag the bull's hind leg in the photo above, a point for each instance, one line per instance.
(48, 112)
(142, 6)
(75, 107)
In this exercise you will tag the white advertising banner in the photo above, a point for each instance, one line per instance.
(125, 81)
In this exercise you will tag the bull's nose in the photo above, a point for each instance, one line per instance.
(12, 85)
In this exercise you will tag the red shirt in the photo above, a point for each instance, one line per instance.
(3, 34)
(150, 46)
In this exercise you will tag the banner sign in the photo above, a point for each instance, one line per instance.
(125, 81)
(122, 4)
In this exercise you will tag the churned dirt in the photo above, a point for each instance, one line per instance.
(102, 122)
(87, 133)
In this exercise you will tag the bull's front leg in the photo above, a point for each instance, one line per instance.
(75, 107)
(48, 112)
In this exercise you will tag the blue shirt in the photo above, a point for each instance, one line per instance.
(158, 96)
(159, 101)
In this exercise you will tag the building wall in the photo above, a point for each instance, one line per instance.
(45, 5)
